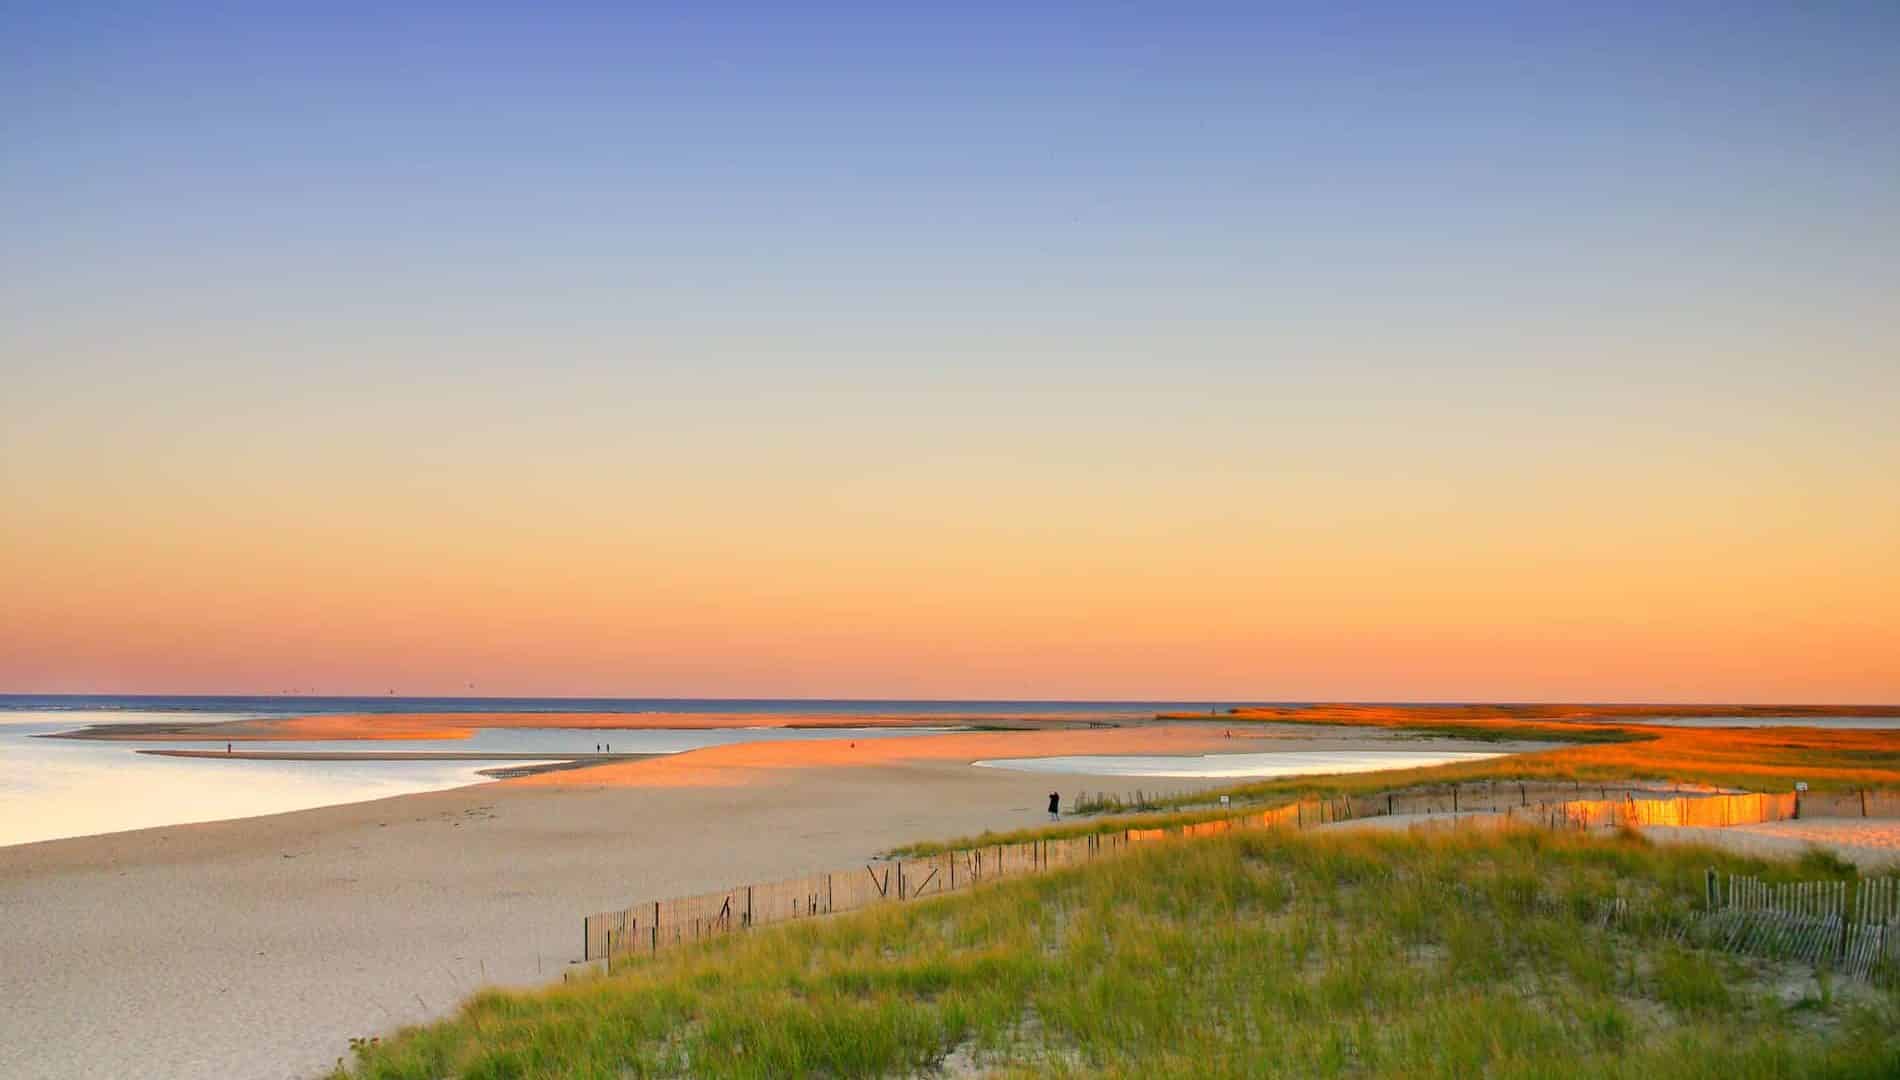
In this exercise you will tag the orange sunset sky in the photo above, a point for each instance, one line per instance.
(1160, 361)
(959, 542)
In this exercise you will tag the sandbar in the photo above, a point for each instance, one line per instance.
(379, 726)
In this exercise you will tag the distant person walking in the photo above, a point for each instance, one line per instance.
(227, 748)
(1055, 805)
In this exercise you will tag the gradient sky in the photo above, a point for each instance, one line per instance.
(1422, 351)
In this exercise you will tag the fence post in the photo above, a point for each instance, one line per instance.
(1711, 888)
(1840, 951)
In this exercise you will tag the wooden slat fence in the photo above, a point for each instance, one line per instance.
(1848, 926)
(654, 925)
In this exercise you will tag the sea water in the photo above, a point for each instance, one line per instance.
(55, 788)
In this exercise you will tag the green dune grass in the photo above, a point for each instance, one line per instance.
(1269, 953)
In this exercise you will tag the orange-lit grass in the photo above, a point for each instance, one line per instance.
(1623, 747)
(1752, 759)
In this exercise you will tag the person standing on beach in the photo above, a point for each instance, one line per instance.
(1055, 805)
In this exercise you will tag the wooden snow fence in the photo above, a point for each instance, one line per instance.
(1852, 927)
(1849, 804)
(1711, 810)
(654, 925)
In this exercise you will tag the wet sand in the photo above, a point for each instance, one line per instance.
(737, 763)
(392, 755)
(259, 947)
(379, 726)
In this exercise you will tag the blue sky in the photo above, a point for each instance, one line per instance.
(1056, 162)
(1072, 267)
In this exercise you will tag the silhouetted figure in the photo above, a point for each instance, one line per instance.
(227, 748)
(1055, 805)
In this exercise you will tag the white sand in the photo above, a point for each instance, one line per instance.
(257, 948)
(1869, 843)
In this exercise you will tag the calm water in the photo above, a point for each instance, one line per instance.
(52, 788)
(280, 705)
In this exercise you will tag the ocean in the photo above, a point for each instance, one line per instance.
(55, 788)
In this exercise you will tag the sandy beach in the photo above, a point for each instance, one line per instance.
(1869, 843)
(259, 947)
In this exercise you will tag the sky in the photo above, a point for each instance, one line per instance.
(1215, 352)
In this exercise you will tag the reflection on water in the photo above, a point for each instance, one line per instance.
(558, 741)
(53, 788)
(1237, 766)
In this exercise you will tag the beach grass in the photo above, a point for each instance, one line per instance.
(1615, 743)
(1260, 953)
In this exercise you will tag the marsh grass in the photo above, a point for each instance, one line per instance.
(1271, 953)
(1602, 751)
(1614, 743)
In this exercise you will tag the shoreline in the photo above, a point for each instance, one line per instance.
(349, 727)
(536, 763)
(734, 763)
(393, 755)
(302, 930)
